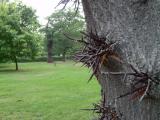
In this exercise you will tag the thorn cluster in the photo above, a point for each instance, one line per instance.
(105, 112)
(141, 83)
(65, 2)
(96, 52)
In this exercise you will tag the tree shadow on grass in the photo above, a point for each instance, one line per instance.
(3, 66)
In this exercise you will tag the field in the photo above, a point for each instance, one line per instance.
(41, 91)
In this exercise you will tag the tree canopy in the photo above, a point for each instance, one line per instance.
(65, 22)
(19, 36)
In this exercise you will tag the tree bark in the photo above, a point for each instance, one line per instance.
(136, 25)
(64, 56)
(16, 62)
(49, 36)
(50, 50)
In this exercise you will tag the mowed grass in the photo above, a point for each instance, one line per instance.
(41, 91)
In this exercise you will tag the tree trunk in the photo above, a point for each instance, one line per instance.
(64, 56)
(136, 25)
(50, 49)
(16, 62)
(49, 36)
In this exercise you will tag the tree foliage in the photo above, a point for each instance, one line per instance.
(65, 22)
(19, 36)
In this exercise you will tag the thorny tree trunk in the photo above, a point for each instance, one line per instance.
(136, 24)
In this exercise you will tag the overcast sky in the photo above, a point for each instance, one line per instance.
(44, 8)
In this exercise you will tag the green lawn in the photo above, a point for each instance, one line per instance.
(41, 91)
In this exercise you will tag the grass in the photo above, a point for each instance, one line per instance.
(41, 91)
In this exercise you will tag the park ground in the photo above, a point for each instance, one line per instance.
(41, 91)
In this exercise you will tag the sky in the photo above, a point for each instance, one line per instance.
(43, 8)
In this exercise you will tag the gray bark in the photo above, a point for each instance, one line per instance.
(136, 26)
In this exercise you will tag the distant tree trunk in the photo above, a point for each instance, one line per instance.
(64, 56)
(49, 36)
(136, 24)
(50, 49)
(16, 62)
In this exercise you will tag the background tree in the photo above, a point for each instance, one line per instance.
(65, 22)
(19, 35)
(49, 38)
